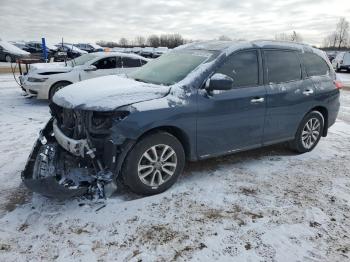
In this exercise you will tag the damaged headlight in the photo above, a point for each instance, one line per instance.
(36, 80)
(103, 121)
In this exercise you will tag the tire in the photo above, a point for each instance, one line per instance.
(8, 59)
(57, 87)
(309, 133)
(167, 147)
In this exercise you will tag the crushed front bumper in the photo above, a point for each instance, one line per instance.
(51, 171)
(46, 185)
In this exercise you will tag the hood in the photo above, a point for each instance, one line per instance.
(13, 49)
(107, 93)
(50, 67)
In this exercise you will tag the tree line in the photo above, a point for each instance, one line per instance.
(164, 40)
(338, 39)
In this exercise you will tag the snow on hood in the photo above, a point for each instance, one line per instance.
(50, 67)
(107, 93)
(13, 49)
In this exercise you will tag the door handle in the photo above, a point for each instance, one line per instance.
(257, 100)
(308, 92)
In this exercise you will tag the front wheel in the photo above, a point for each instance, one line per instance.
(309, 132)
(154, 164)
(8, 59)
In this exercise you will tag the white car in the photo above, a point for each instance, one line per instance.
(341, 61)
(45, 79)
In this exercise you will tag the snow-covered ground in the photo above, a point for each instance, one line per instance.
(262, 205)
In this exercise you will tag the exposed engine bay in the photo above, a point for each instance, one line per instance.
(74, 155)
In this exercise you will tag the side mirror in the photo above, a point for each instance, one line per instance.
(90, 68)
(219, 82)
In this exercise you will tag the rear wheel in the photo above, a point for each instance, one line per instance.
(154, 164)
(309, 132)
(57, 87)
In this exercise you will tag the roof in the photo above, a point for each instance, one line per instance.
(114, 53)
(226, 46)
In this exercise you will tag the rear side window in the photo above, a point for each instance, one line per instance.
(282, 66)
(314, 65)
(243, 68)
(131, 62)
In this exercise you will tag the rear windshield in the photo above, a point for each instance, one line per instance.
(171, 67)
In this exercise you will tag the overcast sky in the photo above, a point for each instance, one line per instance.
(93, 20)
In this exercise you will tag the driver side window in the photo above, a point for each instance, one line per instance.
(106, 63)
(243, 68)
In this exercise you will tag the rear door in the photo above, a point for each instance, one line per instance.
(129, 64)
(231, 120)
(289, 96)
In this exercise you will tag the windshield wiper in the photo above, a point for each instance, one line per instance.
(139, 80)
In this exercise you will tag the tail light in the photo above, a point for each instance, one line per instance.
(338, 84)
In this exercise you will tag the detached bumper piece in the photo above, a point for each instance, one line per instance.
(53, 172)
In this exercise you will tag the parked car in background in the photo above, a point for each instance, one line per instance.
(45, 79)
(118, 49)
(36, 49)
(9, 52)
(331, 55)
(19, 44)
(342, 61)
(90, 48)
(67, 51)
(159, 51)
(147, 51)
(198, 101)
(136, 50)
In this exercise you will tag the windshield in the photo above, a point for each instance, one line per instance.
(81, 60)
(171, 67)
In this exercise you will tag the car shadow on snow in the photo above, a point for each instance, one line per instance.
(273, 153)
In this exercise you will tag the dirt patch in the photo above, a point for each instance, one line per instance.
(15, 197)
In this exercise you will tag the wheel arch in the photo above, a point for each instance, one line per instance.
(176, 132)
(324, 111)
(57, 82)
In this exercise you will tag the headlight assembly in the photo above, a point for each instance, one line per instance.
(103, 121)
(36, 80)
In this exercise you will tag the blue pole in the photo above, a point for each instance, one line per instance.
(44, 49)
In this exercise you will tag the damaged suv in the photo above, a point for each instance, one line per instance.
(198, 101)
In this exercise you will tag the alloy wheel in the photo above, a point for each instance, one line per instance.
(310, 133)
(157, 165)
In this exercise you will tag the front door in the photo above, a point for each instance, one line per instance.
(231, 120)
(104, 66)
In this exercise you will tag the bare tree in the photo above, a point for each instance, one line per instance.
(294, 37)
(140, 40)
(123, 41)
(331, 40)
(342, 32)
(153, 41)
(224, 38)
(281, 37)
